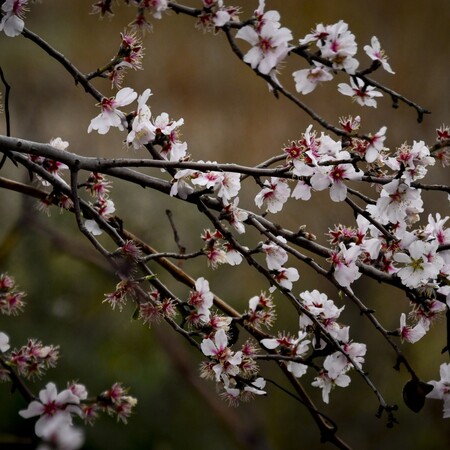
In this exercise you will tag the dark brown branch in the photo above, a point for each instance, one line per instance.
(76, 74)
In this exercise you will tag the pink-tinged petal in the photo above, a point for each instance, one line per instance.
(208, 347)
(297, 369)
(270, 343)
(302, 191)
(253, 57)
(345, 89)
(436, 393)
(371, 154)
(12, 25)
(235, 359)
(67, 396)
(444, 372)
(221, 340)
(221, 18)
(320, 181)
(4, 342)
(125, 96)
(35, 408)
(248, 34)
(338, 192)
(402, 258)
(302, 170)
(48, 394)
(342, 380)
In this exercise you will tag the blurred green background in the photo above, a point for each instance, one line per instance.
(229, 117)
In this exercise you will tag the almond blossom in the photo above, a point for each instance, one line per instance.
(201, 299)
(276, 256)
(375, 53)
(413, 160)
(217, 348)
(375, 145)
(51, 403)
(180, 186)
(326, 382)
(338, 45)
(337, 363)
(435, 229)
(215, 15)
(60, 434)
(13, 13)
(422, 263)
(428, 312)
(294, 347)
(320, 306)
(345, 269)
(307, 80)
(360, 92)
(411, 334)
(142, 130)
(334, 176)
(261, 311)
(285, 277)
(441, 388)
(172, 148)
(274, 195)
(235, 216)
(270, 43)
(111, 116)
(395, 201)
(11, 299)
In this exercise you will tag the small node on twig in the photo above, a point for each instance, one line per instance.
(395, 104)
(389, 409)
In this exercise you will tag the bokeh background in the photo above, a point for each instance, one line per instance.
(229, 117)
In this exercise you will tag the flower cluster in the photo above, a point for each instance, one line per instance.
(153, 310)
(219, 251)
(115, 402)
(320, 316)
(57, 410)
(336, 44)
(51, 166)
(226, 184)
(235, 372)
(337, 49)
(319, 164)
(33, 359)
(215, 15)
(11, 299)
(124, 289)
(144, 129)
(98, 186)
(442, 154)
(144, 7)
(276, 257)
(129, 56)
(261, 311)
(200, 300)
(269, 40)
(50, 405)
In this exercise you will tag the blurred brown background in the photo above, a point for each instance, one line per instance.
(229, 117)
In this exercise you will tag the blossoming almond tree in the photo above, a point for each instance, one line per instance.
(389, 240)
